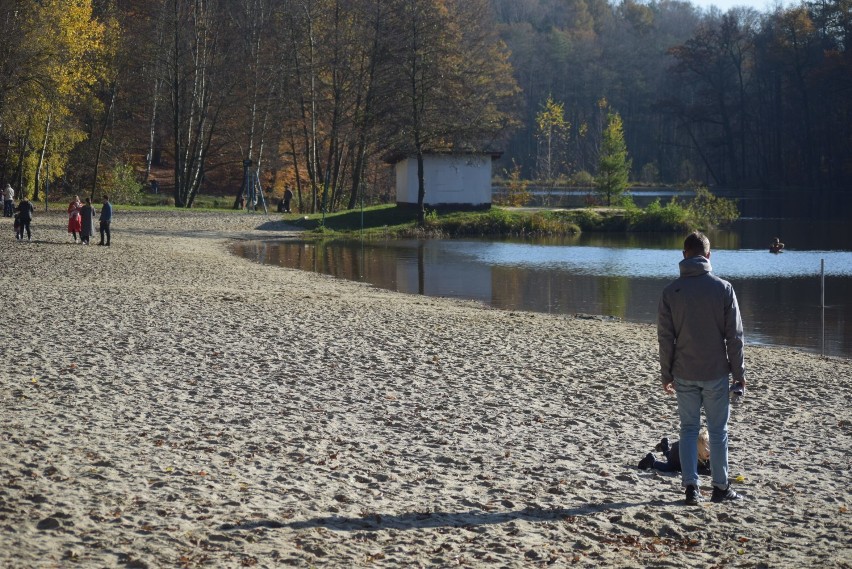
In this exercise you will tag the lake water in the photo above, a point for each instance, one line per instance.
(618, 275)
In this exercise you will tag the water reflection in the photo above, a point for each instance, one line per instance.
(779, 294)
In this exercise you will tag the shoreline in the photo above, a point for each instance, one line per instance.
(507, 297)
(166, 403)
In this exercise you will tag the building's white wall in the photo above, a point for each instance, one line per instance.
(449, 179)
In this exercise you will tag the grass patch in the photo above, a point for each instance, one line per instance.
(501, 222)
(201, 202)
(671, 217)
(390, 221)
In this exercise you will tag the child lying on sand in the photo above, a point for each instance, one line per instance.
(672, 454)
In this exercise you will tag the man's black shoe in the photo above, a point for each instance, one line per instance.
(724, 495)
(646, 462)
(693, 496)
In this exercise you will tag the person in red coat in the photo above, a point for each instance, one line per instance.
(75, 221)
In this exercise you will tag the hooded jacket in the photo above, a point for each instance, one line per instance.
(699, 328)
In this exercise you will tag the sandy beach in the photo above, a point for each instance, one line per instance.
(164, 403)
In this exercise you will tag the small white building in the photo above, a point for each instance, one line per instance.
(451, 180)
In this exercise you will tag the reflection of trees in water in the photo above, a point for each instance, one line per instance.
(421, 269)
(614, 293)
(777, 310)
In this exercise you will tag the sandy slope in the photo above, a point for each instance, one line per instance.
(165, 404)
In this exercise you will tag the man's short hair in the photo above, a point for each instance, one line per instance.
(696, 243)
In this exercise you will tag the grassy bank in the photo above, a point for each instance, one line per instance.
(389, 221)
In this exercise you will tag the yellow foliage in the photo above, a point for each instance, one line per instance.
(52, 54)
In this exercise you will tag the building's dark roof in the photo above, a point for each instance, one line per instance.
(395, 157)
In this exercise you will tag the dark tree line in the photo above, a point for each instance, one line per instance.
(317, 94)
(740, 99)
(313, 94)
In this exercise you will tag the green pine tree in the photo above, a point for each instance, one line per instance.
(613, 164)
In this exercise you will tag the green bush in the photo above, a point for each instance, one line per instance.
(122, 185)
(650, 173)
(501, 222)
(586, 219)
(708, 210)
(656, 217)
(582, 179)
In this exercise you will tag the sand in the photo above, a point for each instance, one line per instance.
(164, 403)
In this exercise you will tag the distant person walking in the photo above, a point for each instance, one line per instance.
(105, 221)
(700, 336)
(25, 217)
(288, 197)
(8, 201)
(74, 221)
(87, 219)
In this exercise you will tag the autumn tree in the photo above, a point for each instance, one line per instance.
(551, 131)
(455, 87)
(46, 67)
(302, 97)
(369, 63)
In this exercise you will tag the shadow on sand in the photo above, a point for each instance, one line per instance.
(427, 520)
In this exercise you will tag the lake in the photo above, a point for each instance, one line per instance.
(611, 274)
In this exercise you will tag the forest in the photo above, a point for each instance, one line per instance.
(323, 95)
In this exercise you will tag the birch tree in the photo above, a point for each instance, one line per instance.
(200, 80)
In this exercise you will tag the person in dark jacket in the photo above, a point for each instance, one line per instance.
(700, 336)
(105, 221)
(288, 197)
(672, 455)
(87, 222)
(25, 217)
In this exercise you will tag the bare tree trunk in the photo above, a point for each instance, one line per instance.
(177, 108)
(155, 101)
(297, 175)
(152, 130)
(41, 156)
(19, 172)
(196, 68)
(101, 137)
(365, 114)
(313, 167)
(259, 107)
